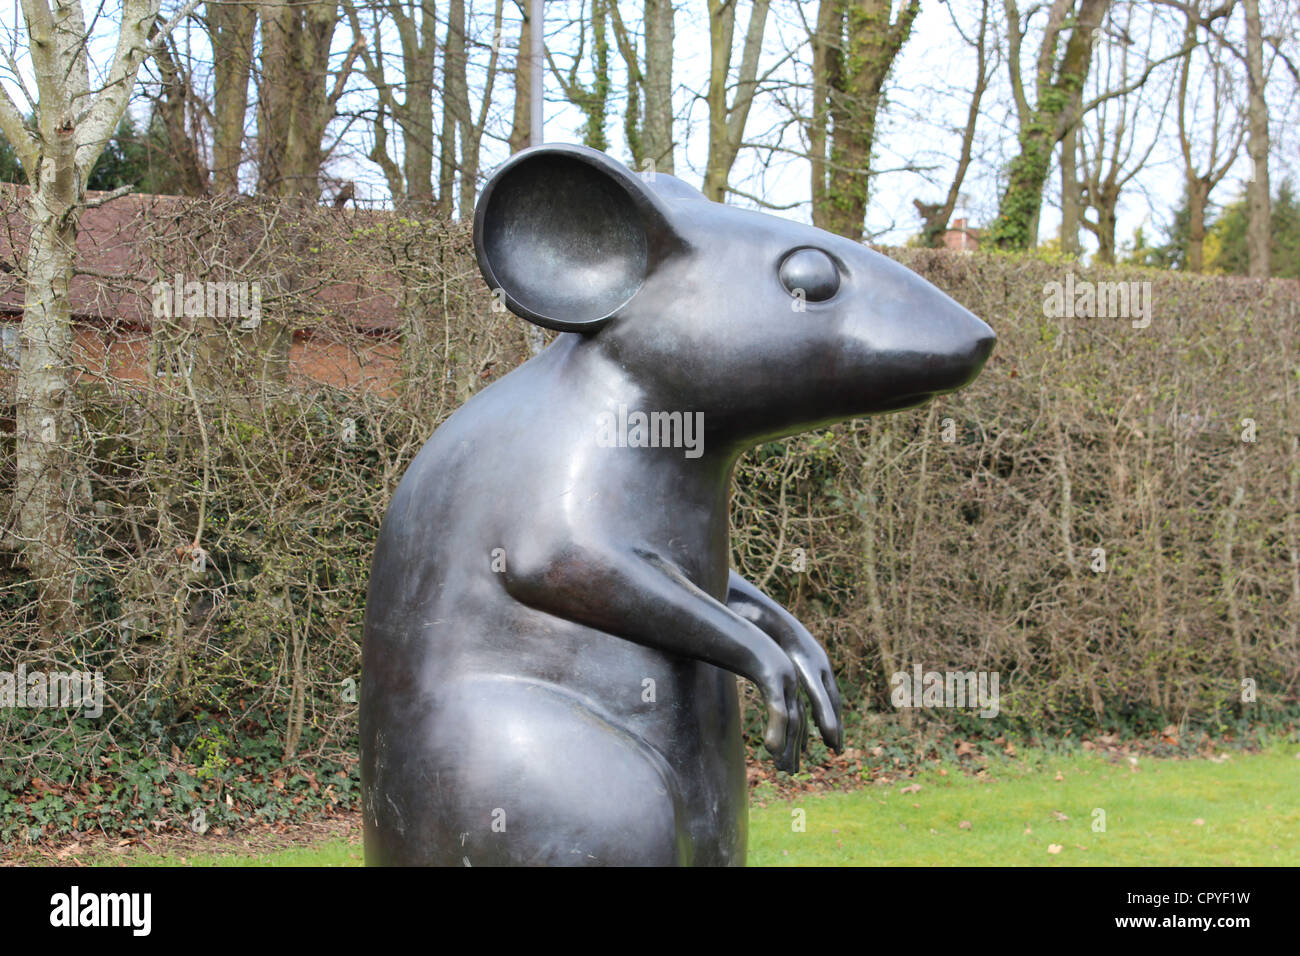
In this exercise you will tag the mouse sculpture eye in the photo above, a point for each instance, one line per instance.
(810, 273)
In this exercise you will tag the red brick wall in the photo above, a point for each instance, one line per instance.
(364, 362)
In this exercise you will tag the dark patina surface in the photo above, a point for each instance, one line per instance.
(553, 632)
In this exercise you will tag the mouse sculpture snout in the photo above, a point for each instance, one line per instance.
(913, 340)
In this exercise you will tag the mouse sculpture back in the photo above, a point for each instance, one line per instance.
(553, 633)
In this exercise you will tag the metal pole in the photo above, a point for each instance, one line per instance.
(537, 61)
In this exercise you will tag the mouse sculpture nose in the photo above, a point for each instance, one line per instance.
(978, 339)
(910, 341)
(959, 347)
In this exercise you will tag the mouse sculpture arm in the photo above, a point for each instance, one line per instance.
(638, 595)
(808, 657)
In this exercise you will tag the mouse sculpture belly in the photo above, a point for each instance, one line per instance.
(552, 633)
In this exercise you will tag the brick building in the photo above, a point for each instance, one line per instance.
(115, 297)
(960, 237)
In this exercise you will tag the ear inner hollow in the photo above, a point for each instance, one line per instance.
(565, 241)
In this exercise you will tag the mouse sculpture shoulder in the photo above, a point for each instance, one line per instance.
(553, 633)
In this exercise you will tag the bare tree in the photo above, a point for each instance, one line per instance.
(1223, 132)
(935, 216)
(593, 98)
(72, 121)
(521, 128)
(1259, 232)
(406, 101)
(296, 100)
(1043, 122)
(1117, 137)
(469, 125)
(648, 114)
(854, 45)
(181, 112)
(727, 119)
(231, 27)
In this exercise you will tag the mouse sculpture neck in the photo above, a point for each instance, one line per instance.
(635, 409)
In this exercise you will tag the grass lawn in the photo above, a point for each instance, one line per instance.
(1243, 809)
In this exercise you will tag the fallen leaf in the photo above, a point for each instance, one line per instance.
(1054, 848)
(964, 825)
(1059, 816)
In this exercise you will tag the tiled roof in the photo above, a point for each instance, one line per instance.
(117, 286)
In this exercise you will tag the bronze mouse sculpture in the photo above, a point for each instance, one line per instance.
(552, 631)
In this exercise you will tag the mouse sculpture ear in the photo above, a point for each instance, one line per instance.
(567, 235)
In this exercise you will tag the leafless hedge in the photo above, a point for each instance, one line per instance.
(1109, 518)
(1086, 520)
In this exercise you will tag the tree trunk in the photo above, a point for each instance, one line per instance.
(43, 392)
(727, 121)
(1106, 205)
(521, 130)
(826, 45)
(231, 27)
(1071, 195)
(858, 45)
(411, 182)
(1198, 194)
(72, 125)
(295, 104)
(1259, 230)
(172, 106)
(455, 101)
(657, 139)
(1059, 86)
(471, 127)
(722, 25)
(592, 100)
(447, 163)
(416, 123)
(598, 103)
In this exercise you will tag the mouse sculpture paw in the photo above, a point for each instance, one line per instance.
(806, 666)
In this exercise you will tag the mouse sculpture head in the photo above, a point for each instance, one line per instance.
(553, 629)
(769, 327)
